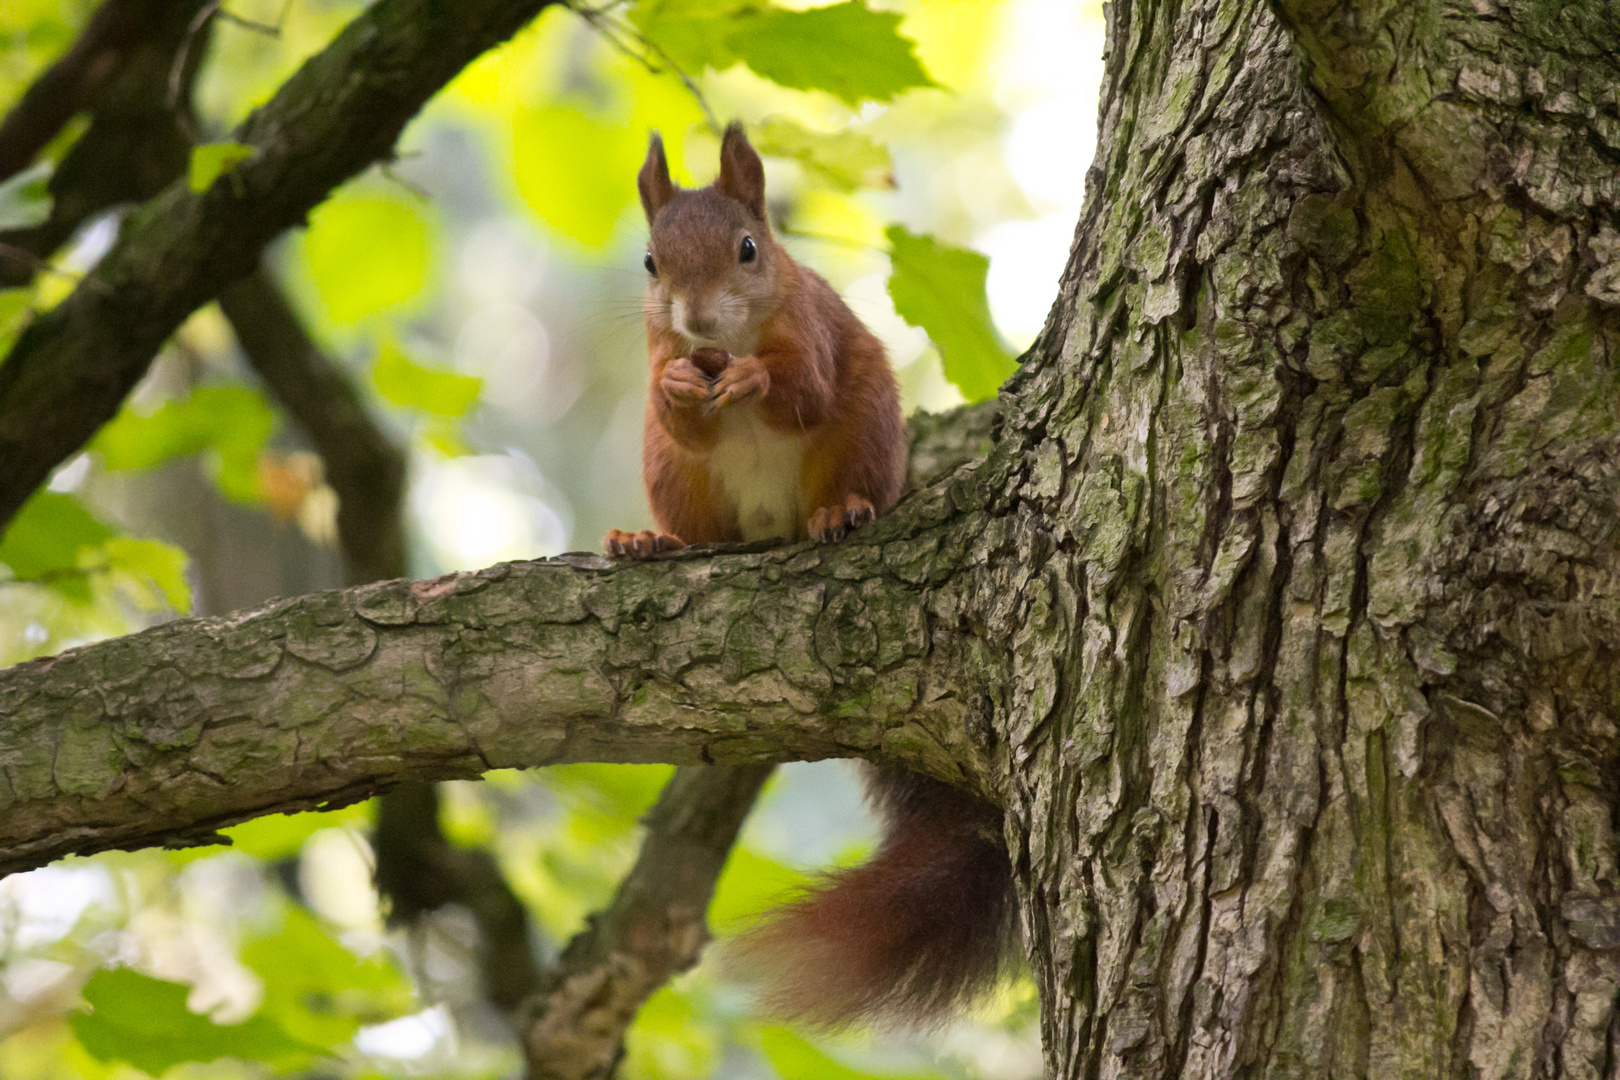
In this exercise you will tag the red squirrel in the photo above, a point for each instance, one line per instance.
(773, 413)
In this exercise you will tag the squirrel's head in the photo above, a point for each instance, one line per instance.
(712, 264)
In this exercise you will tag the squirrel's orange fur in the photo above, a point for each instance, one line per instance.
(772, 409)
(773, 413)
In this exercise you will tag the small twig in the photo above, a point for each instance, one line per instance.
(387, 169)
(615, 31)
(176, 72)
(603, 9)
(268, 29)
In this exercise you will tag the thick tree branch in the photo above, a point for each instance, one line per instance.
(342, 111)
(752, 656)
(653, 930)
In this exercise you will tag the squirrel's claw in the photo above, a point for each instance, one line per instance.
(640, 545)
(744, 379)
(832, 523)
(684, 383)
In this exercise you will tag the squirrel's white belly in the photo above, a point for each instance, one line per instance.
(758, 473)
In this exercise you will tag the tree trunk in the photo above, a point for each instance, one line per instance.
(1311, 502)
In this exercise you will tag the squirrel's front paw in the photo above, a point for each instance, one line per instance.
(835, 522)
(640, 545)
(683, 383)
(744, 379)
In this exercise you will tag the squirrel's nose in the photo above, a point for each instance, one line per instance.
(701, 323)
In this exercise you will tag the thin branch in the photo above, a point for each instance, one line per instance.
(363, 466)
(136, 142)
(654, 929)
(420, 871)
(70, 370)
(621, 35)
(179, 91)
(178, 94)
(417, 191)
(68, 85)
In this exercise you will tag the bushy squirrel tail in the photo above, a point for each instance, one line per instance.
(904, 939)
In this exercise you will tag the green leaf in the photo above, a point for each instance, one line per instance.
(229, 424)
(368, 254)
(47, 535)
(847, 159)
(692, 33)
(164, 565)
(941, 289)
(848, 50)
(585, 201)
(209, 160)
(15, 305)
(318, 990)
(144, 1021)
(403, 382)
(795, 1058)
(25, 200)
(56, 541)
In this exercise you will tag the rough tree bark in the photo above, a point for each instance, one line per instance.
(1280, 617)
(1310, 751)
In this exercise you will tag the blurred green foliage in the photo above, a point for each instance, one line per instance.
(228, 425)
(846, 160)
(24, 200)
(401, 381)
(210, 160)
(368, 254)
(483, 293)
(144, 1021)
(55, 542)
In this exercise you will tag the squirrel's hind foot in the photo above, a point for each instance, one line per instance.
(640, 545)
(836, 522)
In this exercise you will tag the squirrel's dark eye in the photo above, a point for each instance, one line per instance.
(749, 251)
(652, 267)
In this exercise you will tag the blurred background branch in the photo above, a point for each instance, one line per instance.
(136, 142)
(654, 929)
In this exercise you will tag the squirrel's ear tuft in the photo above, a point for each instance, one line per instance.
(742, 174)
(654, 182)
